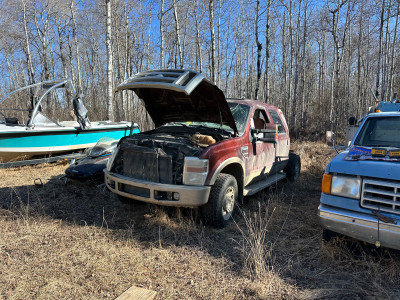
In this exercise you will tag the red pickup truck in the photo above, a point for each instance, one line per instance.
(205, 151)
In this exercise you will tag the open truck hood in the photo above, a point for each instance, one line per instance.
(180, 96)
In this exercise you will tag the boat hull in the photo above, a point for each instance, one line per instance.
(17, 143)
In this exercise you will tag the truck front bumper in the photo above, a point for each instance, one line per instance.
(157, 193)
(362, 226)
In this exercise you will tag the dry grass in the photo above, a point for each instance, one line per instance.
(78, 242)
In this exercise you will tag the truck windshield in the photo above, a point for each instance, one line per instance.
(240, 113)
(379, 132)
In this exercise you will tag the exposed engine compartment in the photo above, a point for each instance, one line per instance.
(158, 156)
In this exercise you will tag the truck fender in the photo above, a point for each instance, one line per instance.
(225, 163)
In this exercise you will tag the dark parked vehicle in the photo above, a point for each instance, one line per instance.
(91, 165)
(205, 152)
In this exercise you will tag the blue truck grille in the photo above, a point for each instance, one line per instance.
(381, 196)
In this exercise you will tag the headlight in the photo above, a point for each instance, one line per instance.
(345, 186)
(195, 171)
(111, 159)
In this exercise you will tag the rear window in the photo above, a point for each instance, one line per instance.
(277, 120)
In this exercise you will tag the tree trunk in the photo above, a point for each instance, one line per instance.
(378, 75)
(27, 49)
(267, 50)
(211, 16)
(385, 73)
(110, 111)
(74, 35)
(162, 34)
(393, 50)
(259, 48)
(178, 34)
(359, 57)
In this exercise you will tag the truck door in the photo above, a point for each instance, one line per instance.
(283, 144)
(261, 154)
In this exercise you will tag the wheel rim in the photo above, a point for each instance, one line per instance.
(229, 203)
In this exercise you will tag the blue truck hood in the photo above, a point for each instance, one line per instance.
(366, 168)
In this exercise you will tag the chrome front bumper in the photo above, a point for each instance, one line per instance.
(361, 226)
(157, 193)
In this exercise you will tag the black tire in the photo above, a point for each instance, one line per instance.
(222, 202)
(293, 167)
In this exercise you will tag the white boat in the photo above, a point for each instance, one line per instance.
(42, 136)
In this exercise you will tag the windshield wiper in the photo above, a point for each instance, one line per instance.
(217, 129)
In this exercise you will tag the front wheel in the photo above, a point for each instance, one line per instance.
(222, 201)
(293, 167)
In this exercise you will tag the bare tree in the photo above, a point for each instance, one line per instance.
(259, 48)
(110, 110)
(336, 54)
(27, 48)
(267, 49)
(211, 16)
(178, 33)
(378, 75)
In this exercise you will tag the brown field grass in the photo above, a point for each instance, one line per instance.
(77, 241)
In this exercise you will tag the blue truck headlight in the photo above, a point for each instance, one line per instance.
(346, 186)
(195, 171)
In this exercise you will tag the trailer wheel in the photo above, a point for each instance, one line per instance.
(222, 201)
(293, 167)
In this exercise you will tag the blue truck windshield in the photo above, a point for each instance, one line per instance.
(380, 132)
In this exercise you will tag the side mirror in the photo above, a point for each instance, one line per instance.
(268, 135)
(330, 141)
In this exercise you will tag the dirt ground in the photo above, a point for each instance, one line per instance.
(77, 241)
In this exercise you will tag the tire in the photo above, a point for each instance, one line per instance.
(222, 202)
(293, 167)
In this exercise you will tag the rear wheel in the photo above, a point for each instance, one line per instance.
(222, 201)
(293, 167)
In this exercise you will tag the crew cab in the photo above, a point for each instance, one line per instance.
(361, 186)
(205, 151)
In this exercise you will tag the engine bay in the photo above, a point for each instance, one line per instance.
(159, 156)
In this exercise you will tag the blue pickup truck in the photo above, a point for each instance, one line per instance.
(361, 186)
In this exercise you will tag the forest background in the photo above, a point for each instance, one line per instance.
(317, 60)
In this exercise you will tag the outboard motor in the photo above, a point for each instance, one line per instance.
(81, 113)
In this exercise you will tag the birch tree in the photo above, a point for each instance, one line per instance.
(110, 110)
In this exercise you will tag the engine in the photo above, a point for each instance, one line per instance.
(158, 157)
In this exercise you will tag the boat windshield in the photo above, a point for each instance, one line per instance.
(379, 132)
(38, 104)
(104, 146)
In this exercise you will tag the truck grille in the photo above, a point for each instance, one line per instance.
(146, 164)
(381, 195)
